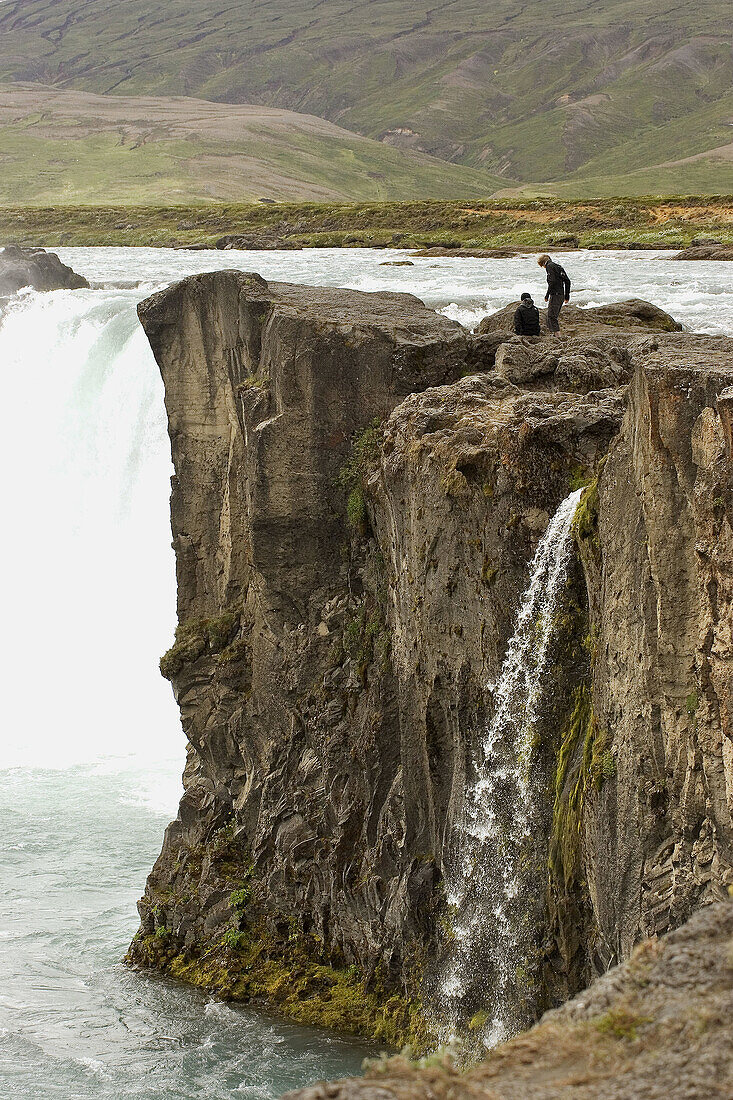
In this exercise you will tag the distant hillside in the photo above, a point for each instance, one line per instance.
(63, 147)
(549, 91)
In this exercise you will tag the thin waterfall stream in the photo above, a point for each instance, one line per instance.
(489, 970)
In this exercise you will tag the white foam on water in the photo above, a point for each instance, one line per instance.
(697, 293)
(86, 553)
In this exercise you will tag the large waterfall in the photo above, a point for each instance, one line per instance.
(498, 862)
(87, 565)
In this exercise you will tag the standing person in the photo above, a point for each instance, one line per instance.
(527, 317)
(558, 290)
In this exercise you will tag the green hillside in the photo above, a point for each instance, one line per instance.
(64, 147)
(543, 92)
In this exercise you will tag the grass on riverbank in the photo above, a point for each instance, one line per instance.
(510, 223)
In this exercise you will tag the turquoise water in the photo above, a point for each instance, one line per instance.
(75, 1022)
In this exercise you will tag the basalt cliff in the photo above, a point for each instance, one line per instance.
(360, 485)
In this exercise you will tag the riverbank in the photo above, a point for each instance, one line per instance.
(459, 227)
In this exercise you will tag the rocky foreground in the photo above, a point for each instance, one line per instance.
(359, 486)
(656, 1027)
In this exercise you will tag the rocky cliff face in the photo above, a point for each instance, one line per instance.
(657, 550)
(356, 498)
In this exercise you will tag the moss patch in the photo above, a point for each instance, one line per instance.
(252, 967)
(364, 450)
(366, 639)
(584, 763)
(199, 637)
(620, 1023)
(585, 521)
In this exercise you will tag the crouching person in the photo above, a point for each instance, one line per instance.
(527, 317)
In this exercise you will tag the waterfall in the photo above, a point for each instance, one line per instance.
(489, 971)
(89, 577)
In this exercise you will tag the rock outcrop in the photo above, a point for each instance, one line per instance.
(458, 252)
(34, 267)
(358, 490)
(655, 1028)
(714, 250)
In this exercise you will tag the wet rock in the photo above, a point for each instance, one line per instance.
(34, 267)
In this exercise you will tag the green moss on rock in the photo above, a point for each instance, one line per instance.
(252, 967)
(366, 639)
(364, 450)
(585, 522)
(584, 763)
(197, 638)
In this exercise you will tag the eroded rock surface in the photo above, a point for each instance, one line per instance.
(34, 267)
(355, 502)
(657, 549)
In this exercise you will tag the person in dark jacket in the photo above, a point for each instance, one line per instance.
(527, 317)
(558, 290)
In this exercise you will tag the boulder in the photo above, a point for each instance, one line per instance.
(575, 365)
(37, 268)
(713, 250)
